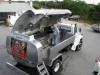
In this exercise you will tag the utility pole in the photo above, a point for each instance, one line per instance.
(31, 3)
(10, 1)
(56, 2)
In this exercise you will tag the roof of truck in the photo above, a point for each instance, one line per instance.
(68, 24)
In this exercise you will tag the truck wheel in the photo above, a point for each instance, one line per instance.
(56, 67)
(78, 48)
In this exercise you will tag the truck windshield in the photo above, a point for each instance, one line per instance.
(67, 28)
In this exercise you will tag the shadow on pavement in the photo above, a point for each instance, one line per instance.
(30, 71)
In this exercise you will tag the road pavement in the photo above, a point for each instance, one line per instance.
(82, 63)
(75, 63)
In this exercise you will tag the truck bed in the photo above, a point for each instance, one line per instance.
(44, 37)
(56, 49)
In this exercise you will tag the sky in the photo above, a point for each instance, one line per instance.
(92, 1)
(87, 1)
(34, 0)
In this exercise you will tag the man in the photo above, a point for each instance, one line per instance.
(55, 35)
(97, 67)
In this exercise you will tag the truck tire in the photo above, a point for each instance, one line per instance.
(78, 48)
(56, 67)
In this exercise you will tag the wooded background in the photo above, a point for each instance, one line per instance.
(88, 12)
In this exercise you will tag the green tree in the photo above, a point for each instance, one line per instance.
(94, 13)
(86, 11)
(37, 5)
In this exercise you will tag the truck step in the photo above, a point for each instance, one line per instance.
(42, 69)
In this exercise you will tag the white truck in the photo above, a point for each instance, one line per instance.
(28, 42)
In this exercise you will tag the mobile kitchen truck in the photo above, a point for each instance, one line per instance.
(28, 42)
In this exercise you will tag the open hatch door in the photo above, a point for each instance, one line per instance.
(33, 20)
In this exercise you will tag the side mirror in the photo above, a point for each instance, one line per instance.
(80, 30)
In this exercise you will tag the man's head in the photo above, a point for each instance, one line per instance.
(97, 59)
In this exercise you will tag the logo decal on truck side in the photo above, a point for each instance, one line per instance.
(19, 48)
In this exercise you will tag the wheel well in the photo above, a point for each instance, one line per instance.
(60, 58)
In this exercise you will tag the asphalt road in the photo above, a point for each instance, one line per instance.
(75, 63)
